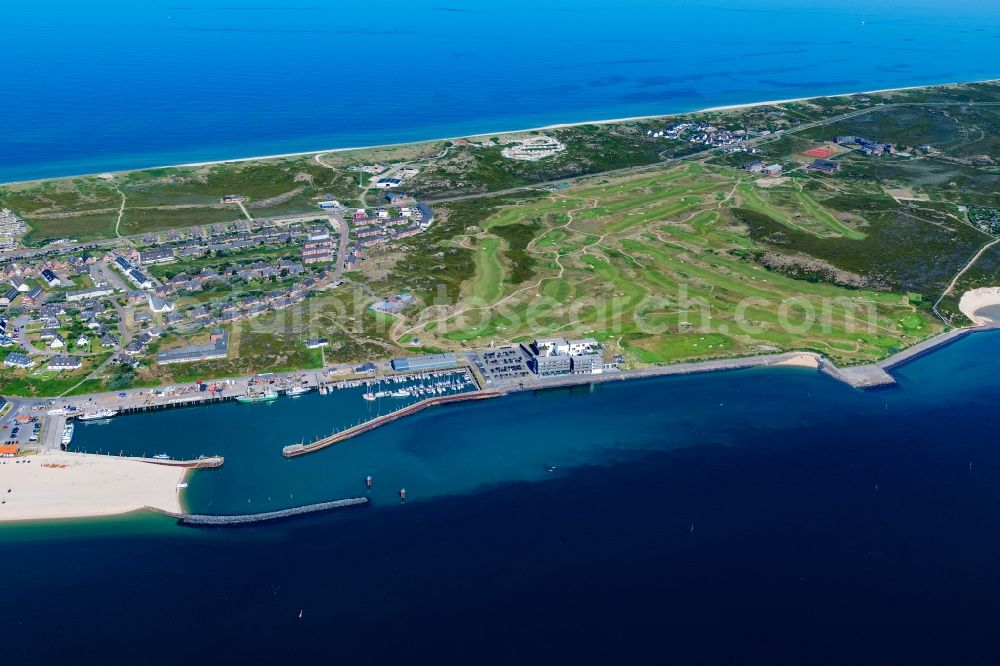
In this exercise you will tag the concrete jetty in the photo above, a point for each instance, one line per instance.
(301, 449)
(205, 520)
(196, 400)
(204, 462)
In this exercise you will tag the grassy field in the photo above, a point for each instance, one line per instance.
(78, 227)
(86, 207)
(659, 268)
(33, 383)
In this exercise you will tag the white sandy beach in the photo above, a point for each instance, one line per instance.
(75, 485)
(606, 121)
(801, 361)
(976, 299)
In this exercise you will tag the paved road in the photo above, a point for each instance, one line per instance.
(101, 272)
(21, 324)
(342, 246)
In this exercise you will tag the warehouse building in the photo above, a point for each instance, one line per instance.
(428, 362)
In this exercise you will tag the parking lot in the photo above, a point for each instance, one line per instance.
(21, 430)
(503, 364)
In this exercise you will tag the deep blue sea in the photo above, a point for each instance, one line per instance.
(97, 86)
(764, 516)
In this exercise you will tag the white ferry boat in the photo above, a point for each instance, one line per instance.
(98, 415)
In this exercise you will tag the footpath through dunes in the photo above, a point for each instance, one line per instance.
(57, 484)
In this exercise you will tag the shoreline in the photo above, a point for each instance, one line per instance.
(862, 377)
(98, 485)
(605, 121)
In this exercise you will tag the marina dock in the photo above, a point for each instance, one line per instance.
(294, 450)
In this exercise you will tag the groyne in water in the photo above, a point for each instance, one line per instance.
(205, 520)
(301, 449)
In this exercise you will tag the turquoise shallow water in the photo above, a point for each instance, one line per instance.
(93, 87)
(778, 508)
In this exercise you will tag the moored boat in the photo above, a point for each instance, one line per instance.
(98, 415)
(251, 396)
(297, 390)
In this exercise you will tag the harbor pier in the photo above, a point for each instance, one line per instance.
(294, 450)
(204, 462)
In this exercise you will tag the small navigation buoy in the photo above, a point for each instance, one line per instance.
(402, 494)
(368, 482)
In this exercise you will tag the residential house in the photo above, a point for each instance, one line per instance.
(60, 363)
(50, 278)
(34, 296)
(18, 360)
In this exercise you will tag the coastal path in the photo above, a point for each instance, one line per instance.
(954, 280)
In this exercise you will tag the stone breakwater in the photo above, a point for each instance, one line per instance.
(293, 450)
(251, 518)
